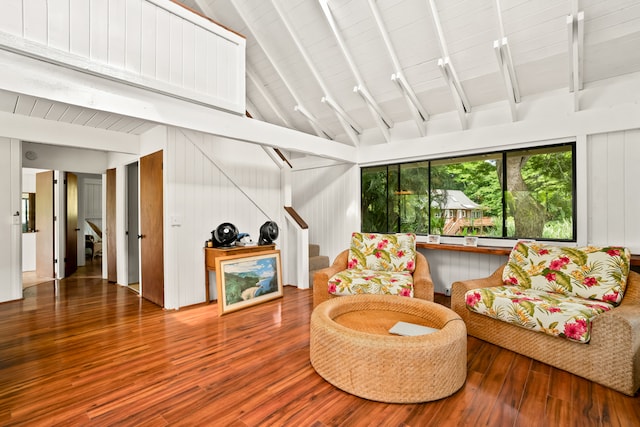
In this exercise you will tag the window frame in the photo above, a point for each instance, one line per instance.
(503, 154)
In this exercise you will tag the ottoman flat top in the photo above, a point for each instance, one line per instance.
(378, 321)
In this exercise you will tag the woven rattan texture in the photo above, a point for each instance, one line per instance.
(389, 368)
(611, 358)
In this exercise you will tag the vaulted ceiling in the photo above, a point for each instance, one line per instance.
(370, 71)
(351, 70)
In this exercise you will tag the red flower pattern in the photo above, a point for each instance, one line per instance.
(575, 330)
(558, 264)
(473, 298)
(612, 297)
(589, 281)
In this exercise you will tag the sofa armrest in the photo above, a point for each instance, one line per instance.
(617, 333)
(458, 289)
(422, 282)
(321, 277)
(628, 314)
(632, 291)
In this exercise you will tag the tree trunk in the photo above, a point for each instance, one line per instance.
(528, 214)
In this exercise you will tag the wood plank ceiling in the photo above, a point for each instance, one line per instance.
(354, 70)
(302, 74)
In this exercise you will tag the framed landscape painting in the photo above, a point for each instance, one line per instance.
(246, 280)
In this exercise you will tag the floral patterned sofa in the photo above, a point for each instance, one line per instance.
(376, 264)
(576, 309)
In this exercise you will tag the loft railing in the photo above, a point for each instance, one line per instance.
(156, 45)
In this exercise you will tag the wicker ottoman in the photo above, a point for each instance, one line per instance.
(351, 348)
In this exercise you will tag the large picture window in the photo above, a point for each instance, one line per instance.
(525, 193)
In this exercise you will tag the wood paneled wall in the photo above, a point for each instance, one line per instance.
(152, 44)
(613, 177)
(10, 227)
(328, 199)
(201, 194)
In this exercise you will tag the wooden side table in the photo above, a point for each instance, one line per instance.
(210, 255)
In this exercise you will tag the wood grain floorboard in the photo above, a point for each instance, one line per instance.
(96, 354)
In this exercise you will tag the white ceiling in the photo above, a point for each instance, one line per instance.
(279, 77)
(294, 58)
(27, 105)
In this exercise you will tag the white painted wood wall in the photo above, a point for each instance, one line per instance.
(200, 195)
(613, 196)
(328, 199)
(10, 225)
(154, 44)
(612, 207)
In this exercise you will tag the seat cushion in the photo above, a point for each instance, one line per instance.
(597, 273)
(552, 313)
(354, 281)
(382, 252)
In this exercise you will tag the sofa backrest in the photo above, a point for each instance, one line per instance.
(382, 252)
(598, 273)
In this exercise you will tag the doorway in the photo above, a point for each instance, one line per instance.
(75, 240)
(133, 230)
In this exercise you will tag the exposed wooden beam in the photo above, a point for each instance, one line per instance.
(257, 82)
(506, 77)
(420, 115)
(206, 8)
(31, 77)
(447, 70)
(347, 122)
(341, 114)
(505, 62)
(575, 26)
(384, 123)
(314, 122)
(417, 111)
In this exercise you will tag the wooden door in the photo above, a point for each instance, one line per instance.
(71, 257)
(44, 225)
(110, 231)
(151, 228)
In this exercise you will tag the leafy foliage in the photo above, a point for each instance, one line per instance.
(411, 197)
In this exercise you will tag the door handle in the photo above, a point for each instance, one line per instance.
(140, 236)
(77, 229)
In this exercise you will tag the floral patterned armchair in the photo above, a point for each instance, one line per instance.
(576, 309)
(376, 264)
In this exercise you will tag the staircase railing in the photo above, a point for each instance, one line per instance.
(301, 246)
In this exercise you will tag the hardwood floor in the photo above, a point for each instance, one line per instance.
(98, 354)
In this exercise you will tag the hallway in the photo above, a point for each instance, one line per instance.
(92, 269)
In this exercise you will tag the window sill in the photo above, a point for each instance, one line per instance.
(491, 250)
